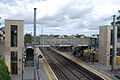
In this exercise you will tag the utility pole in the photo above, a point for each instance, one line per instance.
(34, 45)
(114, 43)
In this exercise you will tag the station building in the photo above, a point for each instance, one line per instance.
(14, 44)
(106, 44)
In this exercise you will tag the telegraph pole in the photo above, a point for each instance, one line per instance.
(114, 43)
(34, 45)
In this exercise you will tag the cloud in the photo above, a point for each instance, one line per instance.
(80, 16)
(11, 2)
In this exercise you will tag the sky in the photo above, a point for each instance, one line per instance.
(63, 17)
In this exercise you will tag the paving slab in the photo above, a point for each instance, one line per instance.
(27, 75)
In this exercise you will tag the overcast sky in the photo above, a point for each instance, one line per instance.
(61, 16)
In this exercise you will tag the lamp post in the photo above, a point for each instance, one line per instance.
(39, 56)
(93, 54)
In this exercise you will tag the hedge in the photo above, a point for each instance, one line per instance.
(4, 73)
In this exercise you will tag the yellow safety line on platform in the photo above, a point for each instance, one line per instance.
(74, 60)
(46, 69)
(92, 69)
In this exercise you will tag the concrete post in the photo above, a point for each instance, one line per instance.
(34, 43)
(114, 43)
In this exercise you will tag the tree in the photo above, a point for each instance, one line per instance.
(56, 36)
(118, 33)
(77, 35)
(118, 21)
(65, 35)
(4, 73)
(28, 39)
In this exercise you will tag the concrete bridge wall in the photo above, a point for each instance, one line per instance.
(63, 41)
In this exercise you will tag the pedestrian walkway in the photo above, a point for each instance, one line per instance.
(27, 75)
(44, 71)
(96, 68)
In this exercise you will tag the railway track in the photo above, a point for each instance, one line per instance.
(63, 68)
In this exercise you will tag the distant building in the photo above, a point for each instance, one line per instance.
(72, 36)
(61, 36)
(95, 36)
(82, 36)
(106, 44)
(45, 36)
(14, 44)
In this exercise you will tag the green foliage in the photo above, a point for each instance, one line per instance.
(65, 35)
(28, 39)
(56, 36)
(118, 24)
(4, 73)
(118, 33)
(50, 35)
(118, 18)
(87, 37)
(77, 35)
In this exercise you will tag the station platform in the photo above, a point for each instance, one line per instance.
(43, 73)
(103, 71)
(45, 69)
